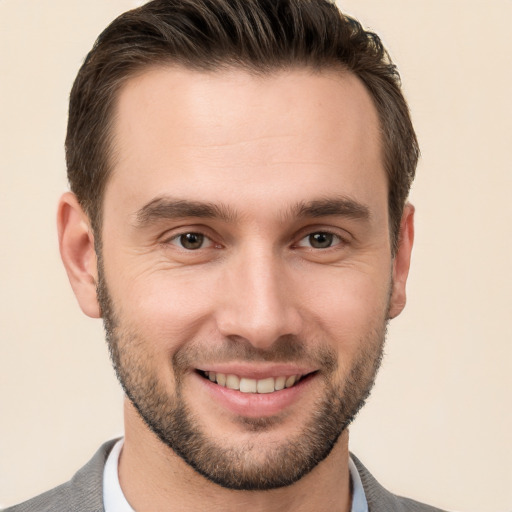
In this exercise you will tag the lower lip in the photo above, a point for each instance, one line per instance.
(256, 405)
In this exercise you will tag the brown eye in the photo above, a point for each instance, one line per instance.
(190, 241)
(320, 240)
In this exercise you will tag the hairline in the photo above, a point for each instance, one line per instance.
(253, 69)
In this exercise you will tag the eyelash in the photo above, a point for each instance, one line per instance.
(197, 233)
(339, 240)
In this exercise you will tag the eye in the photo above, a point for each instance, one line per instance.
(320, 240)
(191, 241)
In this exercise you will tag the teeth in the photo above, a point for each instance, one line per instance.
(266, 385)
(246, 385)
(232, 382)
(221, 379)
(280, 382)
(290, 381)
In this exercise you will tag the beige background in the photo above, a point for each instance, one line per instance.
(439, 424)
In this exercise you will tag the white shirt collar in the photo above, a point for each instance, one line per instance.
(359, 503)
(115, 501)
(113, 497)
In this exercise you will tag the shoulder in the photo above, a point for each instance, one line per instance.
(56, 499)
(84, 492)
(381, 500)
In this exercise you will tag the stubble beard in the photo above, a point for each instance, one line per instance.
(247, 466)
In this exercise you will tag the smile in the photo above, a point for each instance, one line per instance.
(248, 385)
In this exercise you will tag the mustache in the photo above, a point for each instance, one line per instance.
(286, 349)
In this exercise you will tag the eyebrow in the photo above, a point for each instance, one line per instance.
(337, 206)
(171, 208)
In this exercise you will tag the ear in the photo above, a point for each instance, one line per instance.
(402, 261)
(76, 244)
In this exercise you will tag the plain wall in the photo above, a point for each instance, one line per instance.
(438, 426)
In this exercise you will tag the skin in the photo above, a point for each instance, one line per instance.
(258, 146)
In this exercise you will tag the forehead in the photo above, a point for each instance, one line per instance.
(291, 133)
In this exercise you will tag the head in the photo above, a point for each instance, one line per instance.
(258, 36)
(240, 171)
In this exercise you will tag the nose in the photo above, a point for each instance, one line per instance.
(258, 302)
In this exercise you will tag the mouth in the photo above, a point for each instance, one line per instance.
(255, 386)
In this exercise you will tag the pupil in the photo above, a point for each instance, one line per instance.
(321, 240)
(192, 240)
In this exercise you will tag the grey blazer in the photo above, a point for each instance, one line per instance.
(84, 493)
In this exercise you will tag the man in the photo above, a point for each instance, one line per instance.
(238, 218)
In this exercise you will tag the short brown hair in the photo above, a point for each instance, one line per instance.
(259, 35)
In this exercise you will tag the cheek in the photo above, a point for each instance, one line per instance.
(349, 306)
(169, 308)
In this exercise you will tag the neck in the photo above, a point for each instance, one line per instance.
(153, 477)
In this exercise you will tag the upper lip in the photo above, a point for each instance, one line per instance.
(252, 371)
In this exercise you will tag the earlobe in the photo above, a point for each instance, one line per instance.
(402, 262)
(76, 244)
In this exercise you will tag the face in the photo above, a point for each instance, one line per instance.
(246, 275)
